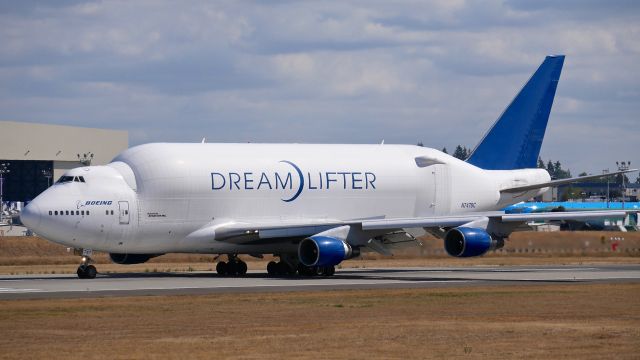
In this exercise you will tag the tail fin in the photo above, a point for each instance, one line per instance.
(514, 140)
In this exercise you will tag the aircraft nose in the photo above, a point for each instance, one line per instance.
(31, 216)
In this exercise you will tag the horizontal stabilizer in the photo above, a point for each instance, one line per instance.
(519, 189)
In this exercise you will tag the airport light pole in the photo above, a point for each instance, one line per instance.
(85, 159)
(604, 172)
(623, 166)
(4, 169)
(47, 174)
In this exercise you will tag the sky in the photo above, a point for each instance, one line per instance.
(437, 72)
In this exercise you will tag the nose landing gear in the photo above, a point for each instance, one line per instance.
(86, 270)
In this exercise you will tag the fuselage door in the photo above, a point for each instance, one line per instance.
(123, 212)
(442, 189)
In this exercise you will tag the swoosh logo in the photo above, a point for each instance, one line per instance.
(295, 196)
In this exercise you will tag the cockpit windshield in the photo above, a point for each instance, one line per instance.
(67, 179)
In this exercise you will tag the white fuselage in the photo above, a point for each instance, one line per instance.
(160, 193)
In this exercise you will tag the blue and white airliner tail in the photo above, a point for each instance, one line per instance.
(311, 205)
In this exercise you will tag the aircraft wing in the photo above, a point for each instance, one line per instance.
(243, 232)
(246, 232)
(426, 222)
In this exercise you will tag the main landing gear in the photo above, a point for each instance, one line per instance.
(234, 266)
(282, 268)
(86, 270)
(287, 266)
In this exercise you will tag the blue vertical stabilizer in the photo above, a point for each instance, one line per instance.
(514, 140)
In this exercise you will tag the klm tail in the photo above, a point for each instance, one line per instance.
(514, 140)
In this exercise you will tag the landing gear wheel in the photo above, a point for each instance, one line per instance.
(232, 268)
(241, 268)
(221, 268)
(90, 272)
(81, 272)
(332, 271)
(85, 271)
(328, 271)
(285, 269)
(273, 268)
(309, 270)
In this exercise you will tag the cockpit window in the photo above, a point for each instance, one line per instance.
(66, 179)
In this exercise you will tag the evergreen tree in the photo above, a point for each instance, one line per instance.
(420, 144)
(444, 150)
(460, 153)
(467, 152)
(556, 171)
(557, 168)
(551, 170)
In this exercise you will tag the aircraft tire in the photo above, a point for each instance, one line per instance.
(81, 272)
(90, 272)
(241, 268)
(232, 268)
(272, 268)
(221, 268)
(285, 269)
(291, 271)
(307, 270)
(329, 271)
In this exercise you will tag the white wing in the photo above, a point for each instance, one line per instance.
(247, 232)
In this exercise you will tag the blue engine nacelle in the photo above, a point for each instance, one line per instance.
(321, 250)
(467, 242)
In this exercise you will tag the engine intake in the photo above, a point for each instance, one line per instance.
(468, 242)
(324, 251)
(130, 259)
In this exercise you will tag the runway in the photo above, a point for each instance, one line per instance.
(69, 286)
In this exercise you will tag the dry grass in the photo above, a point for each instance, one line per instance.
(551, 321)
(32, 255)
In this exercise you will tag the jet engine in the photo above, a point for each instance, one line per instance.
(321, 250)
(129, 259)
(467, 242)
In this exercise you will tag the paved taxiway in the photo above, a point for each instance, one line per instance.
(68, 286)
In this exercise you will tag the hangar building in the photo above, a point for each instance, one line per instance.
(38, 154)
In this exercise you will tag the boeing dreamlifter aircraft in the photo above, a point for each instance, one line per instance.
(313, 206)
